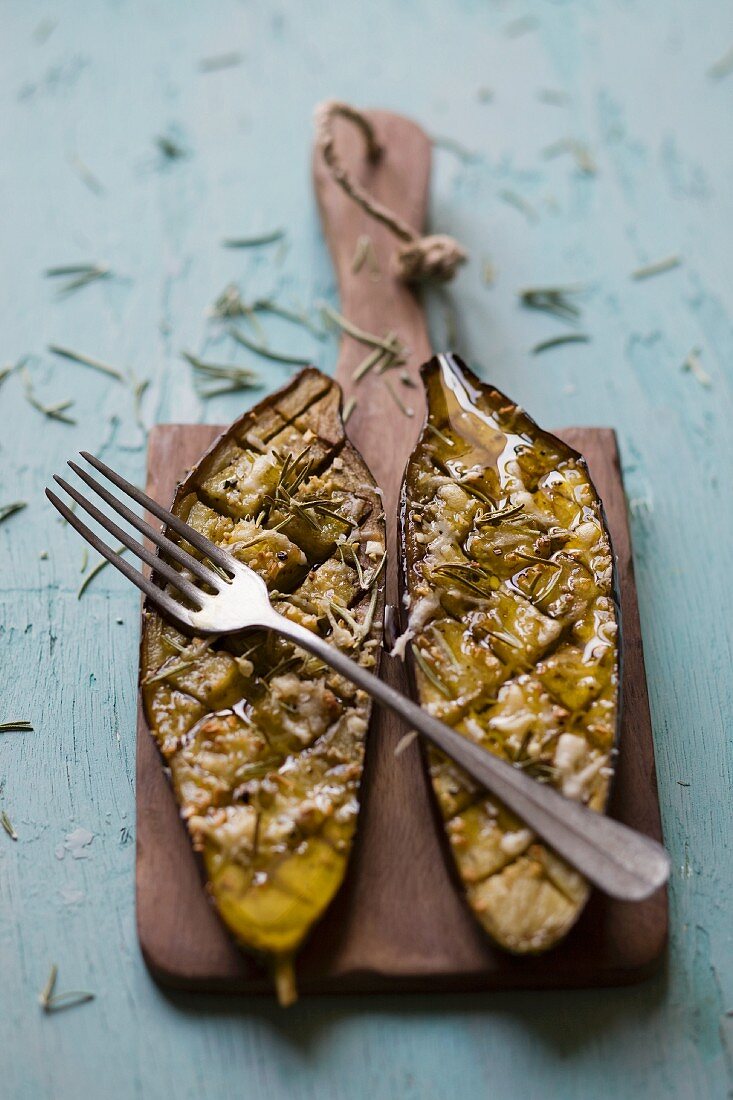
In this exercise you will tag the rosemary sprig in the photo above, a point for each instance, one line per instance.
(254, 242)
(430, 673)
(502, 511)
(22, 725)
(469, 575)
(556, 300)
(53, 412)
(8, 510)
(558, 341)
(238, 378)
(260, 349)
(657, 268)
(87, 361)
(519, 203)
(97, 569)
(375, 356)
(348, 409)
(83, 274)
(8, 825)
(50, 1001)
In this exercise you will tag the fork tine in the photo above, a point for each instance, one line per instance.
(194, 537)
(171, 575)
(155, 595)
(167, 545)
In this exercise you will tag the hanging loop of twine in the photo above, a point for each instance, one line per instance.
(436, 256)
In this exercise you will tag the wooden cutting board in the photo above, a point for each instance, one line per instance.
(399, 922)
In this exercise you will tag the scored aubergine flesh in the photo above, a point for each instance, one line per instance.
(512, 638)
(265, 743)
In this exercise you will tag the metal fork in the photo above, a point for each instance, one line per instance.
(623, 863)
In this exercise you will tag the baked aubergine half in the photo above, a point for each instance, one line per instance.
(512, 637)
(263, 742)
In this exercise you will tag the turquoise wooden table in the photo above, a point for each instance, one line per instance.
(576, 142)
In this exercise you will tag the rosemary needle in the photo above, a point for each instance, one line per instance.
(348, 409)
(87, 361)
(8, 826)
(556, 300)
(49, 1000)
(219, 61)
(20, 726)
(93, 572)
(558, 341)
(656, 268)
(393, 345)
(239, 378)
(404, 409)
(519, 203)
(53, 412)
(83, 274)
(254, 242)
(260, 349)
(7, 510)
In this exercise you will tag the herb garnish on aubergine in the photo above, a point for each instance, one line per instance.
(264, 743)
(512, 637)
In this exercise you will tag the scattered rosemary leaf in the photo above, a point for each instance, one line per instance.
(51, 1001)
(5, 372)
(85, 174)
(694, 366)
(579, 150)
(95, 570)
(429, 673)
(558, 341)
(138, 386)
(368, 363)
(553, 97)
(657, 268)
(20, 726)
(552, 299)
(405, 741)
(452, 146)
(519, 203)
(260, 349)
(522, 25)
(364, 253)
(723, 66)
(404, 409)
(43, 556)
(219, 61)
(169, 147)
(407, 380)
(489, 273)
(45, 28)
(83, 274)
(8, 510)
(485, 94)
(348, 409)
(87, 361)
(254, 242)
(8, 825)
(392, 345)
(238, 378)
(53, 412)
(84, 559)
(436, 431)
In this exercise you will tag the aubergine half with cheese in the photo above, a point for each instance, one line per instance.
(264, 743)
(512, 637)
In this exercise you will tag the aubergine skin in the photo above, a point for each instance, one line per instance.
(264, 743)
(512, 638)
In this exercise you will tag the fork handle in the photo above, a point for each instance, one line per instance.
(618, 860)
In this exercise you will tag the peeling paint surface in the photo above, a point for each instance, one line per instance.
(86, 89)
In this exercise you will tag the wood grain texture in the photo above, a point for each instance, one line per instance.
(100, 79)
(399, 923)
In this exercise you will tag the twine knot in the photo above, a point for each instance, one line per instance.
(437, 256)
